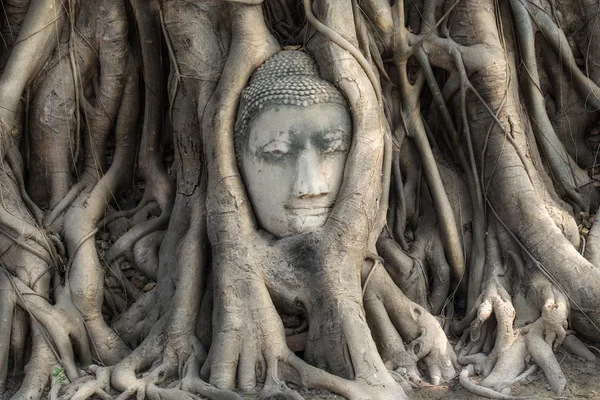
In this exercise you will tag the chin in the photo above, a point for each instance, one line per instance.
(304, 223)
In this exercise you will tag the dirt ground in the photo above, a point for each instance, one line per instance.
(583, 378)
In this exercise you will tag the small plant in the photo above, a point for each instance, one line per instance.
(59, 374)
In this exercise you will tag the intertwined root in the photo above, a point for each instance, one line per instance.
(411, 270)
(503, 354)
(395, 320)
(95, 382)
(249, 348)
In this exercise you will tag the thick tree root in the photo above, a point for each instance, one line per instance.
(483, 391)
(395, 319)
(512, 347)
(363, 317)
(63, 322)
(41, 365)
(149, 355)
(7, 306)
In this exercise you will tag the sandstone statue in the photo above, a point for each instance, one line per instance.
(203, 199)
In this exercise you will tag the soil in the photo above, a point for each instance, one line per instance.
(583, 377)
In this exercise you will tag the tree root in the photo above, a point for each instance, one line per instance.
(145, 254)
(574, 346)
(125, 213)
(39, 368)
(146, 355)
(14, 161)
(502, 366)
(357, 332)
(7, 306)
(63, 322)
(135, 323)
(125, 244)
(392, 315)
(62, 205)
(411, 270)
(18, 340)
(87, 386)
(483, 391)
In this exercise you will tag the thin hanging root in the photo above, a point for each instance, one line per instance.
(413, 122)
(470, 170)
(483, 391)
(446, 219)
(379, 13)
(151, 168)
(550, 143)
(586, 87)
(25, 229)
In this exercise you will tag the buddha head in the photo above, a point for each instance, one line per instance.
(292, 137)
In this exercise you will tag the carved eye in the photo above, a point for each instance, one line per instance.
(276, 149)
(336, 146)
(335, 141)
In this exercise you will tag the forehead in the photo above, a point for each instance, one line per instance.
(287, 120)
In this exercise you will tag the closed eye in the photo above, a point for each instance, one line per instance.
(275, 149)
(336, 146)
(336, 141)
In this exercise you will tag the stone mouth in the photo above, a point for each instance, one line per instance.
(309, 208)
(311, 211)
(307, 205)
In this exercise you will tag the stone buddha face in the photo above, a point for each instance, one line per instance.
(293, 164)
(293, 134)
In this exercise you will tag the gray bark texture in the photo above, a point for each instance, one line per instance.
(464, 240)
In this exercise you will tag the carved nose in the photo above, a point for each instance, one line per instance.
(309, 180)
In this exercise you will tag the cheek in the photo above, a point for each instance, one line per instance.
(332, 168)
(267, 180)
